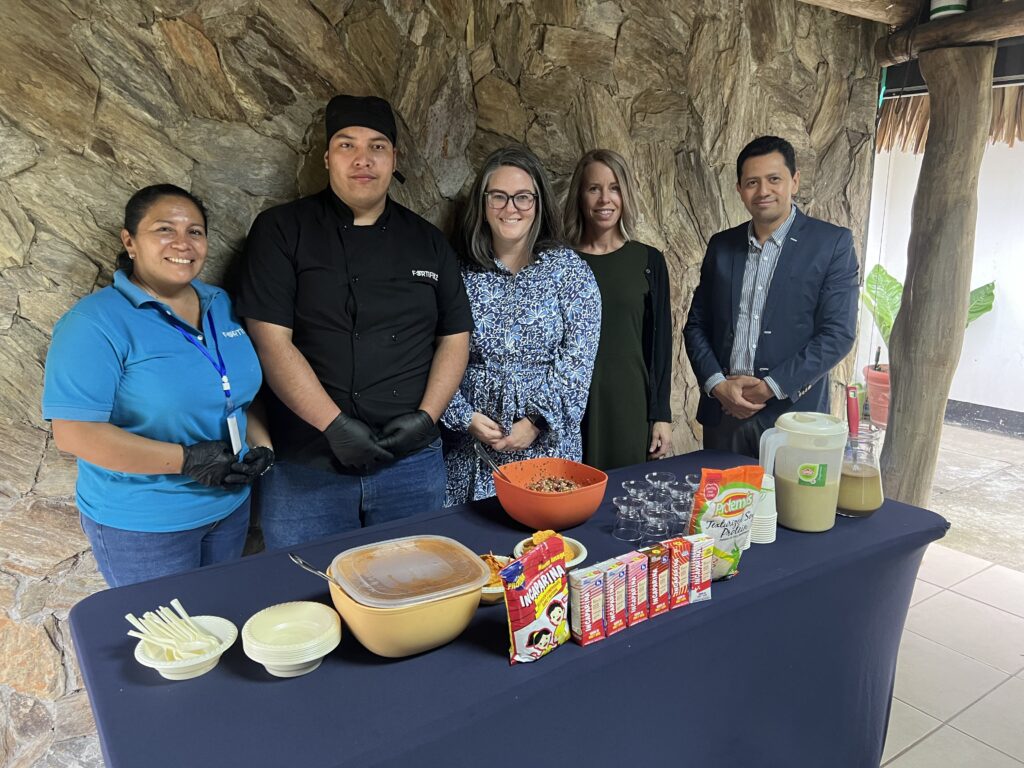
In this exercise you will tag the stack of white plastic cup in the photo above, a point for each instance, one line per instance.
(762, 530)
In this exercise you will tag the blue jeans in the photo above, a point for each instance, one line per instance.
(297, 503)
(128, 557)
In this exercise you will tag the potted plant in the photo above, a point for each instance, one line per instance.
(882, 295)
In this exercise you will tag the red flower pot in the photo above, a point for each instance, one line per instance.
(878, 394)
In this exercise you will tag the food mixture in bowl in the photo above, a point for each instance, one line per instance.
(552, 484)
(495, 565)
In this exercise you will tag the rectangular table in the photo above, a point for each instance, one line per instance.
(790, 664)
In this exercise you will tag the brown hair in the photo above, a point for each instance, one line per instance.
(545, 233)
(573, 222)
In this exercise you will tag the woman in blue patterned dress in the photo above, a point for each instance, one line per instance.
(537, 312)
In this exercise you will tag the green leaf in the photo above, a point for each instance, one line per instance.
(882, 295)
(982, 299)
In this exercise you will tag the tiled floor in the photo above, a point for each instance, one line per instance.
(960, 678)
(978, 487)
(959, 699)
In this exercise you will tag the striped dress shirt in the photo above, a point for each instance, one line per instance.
(757, 277)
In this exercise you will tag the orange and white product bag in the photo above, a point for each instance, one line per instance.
(723, 508)
(537, 601)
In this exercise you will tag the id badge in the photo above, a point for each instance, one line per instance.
(236, 437)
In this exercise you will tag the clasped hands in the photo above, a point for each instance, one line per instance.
(742, 396)
(211, 463)
(490, 433)
(357, 447)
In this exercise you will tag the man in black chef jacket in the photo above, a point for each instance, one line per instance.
(358, 312)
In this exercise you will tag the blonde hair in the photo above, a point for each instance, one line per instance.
(573, 223)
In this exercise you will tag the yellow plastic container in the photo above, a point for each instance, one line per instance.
(406, 596)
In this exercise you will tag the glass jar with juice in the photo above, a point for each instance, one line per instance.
(860, 480)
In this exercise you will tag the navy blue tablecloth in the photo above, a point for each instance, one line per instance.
(790, 664)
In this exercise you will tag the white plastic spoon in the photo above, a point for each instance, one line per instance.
(134, 622)
(152, 625)
(184, 628)
(172, 650)
(180, 610)
(174, 625)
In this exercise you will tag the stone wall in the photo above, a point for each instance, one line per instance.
(225, 97)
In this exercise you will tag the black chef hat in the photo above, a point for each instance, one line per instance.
(366, 111)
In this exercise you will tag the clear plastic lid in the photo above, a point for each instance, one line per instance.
(407, 571)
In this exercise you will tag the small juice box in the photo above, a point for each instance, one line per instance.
(586, 605)
(616, 614)
(636, 586)
(679, 571)
(701, 545)
(658, 591)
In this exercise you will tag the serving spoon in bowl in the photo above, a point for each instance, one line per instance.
(312, 569)
(485, 457)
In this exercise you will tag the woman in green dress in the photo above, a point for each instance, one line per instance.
(628, 419)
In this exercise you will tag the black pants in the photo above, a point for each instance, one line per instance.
(736, 435)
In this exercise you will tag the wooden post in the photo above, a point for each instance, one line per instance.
(926, 339)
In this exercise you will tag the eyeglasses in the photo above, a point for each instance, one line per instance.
(523, 201)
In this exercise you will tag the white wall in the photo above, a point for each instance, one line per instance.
(991, 370)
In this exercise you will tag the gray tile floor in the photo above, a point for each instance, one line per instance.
(960, 679)
(978, 487)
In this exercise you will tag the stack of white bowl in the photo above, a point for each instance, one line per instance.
(291, 639)
(762, 531)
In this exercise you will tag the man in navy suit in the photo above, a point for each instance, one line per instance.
(775, 309)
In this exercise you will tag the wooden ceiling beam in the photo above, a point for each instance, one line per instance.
(985, 25)
(896, 13)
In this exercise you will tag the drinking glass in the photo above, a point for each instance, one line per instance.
(654, 530)
(682, 494)
(659, 479)
(679, 520)
(692, 480)
(628, 519)
(660, 501)
(677, 489)
(638, 489)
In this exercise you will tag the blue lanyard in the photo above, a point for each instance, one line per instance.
(218, 363)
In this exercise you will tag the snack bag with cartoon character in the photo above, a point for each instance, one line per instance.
(537, 601)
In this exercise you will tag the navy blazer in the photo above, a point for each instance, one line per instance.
(809, 321)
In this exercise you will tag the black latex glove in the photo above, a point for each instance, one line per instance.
(354, 445)
(255, 463)
(208, 462)
(408, 433)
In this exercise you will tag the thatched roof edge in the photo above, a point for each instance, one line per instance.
(903, 123)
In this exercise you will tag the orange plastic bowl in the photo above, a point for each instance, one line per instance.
(554, 511)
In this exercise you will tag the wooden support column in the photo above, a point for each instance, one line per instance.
(928, 334)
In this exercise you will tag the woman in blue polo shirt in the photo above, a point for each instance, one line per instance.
(149, 383)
